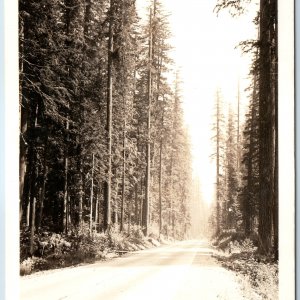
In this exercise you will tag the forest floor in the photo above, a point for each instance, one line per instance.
(55, 251)
(257, 275)
(182, 270)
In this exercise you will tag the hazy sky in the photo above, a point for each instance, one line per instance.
(204, 49)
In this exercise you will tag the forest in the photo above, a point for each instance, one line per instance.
(247, 154)
(105, 154)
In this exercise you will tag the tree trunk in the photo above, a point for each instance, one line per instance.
(91, 197)
(160, 185)
(32, 161)
(22, 163)
(161, 171)
(142, 200)
(97, 212)
(87, 17)
(218, 167)
(247, 211)
(74, 29)
(107, 194)
(171, 192)
(146, 203)
(247, 215)
(66, 170)
(28, 214)
(80, 193)
(275, 120)
(124, 171)
(136, 204)
(266, 141)
(42, 194)
(238, 152)
(100, 224)
(32, 229)
(129, 213)
(23, 111)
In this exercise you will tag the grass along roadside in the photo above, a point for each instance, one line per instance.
(53, 250)
(258, 275)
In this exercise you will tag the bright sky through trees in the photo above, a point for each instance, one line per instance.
(204, 50)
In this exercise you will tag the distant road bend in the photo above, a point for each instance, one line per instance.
(185, 270)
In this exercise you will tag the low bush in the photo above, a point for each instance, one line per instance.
(262, 276)
(136, 232)
(258, 271)
(53, 250)
(33, 263)
(116, 239)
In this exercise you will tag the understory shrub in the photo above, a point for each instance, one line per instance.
(56, 250)
(239, 254)
(33, 263)
(262, 275)
(233, 241)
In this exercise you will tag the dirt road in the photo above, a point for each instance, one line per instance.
(184, 270)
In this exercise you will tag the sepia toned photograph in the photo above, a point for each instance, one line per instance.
(149, 150)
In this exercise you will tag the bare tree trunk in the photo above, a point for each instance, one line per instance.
(124, 172)
(22, 163)
(238, 151)
(96, 212)
(28, 214)
(218, 167)
(145, 218)
(129, 213)
(32, 229)
(247, 206)
(23, 111)
(275, 120)
(136, 204)
(266, 141)
(160, 185)
(42, 195)
(74, 28)
(107, 194)
(99, 211)
(80, 192)
(66, 170)
(142, 200)
(171, 192)
(174, 136)
(69, 215)
(161, 172)
(91, 197)
(32, 163)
